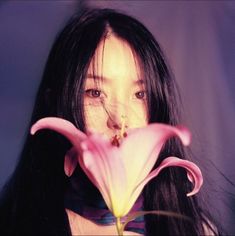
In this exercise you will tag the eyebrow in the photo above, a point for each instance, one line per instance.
(106, 80)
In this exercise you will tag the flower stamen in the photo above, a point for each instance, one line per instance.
(115, 141)
(123, 126)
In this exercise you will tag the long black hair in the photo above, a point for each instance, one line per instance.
(32, 201)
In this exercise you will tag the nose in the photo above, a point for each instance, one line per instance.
(117, 118)
(116, 123)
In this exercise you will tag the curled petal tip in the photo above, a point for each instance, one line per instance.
(185, 135)
(193, 171)
(191, 193)
(196, 178)
(197, 186)
(60, 126)
(195, 191)
(40, 124)
(34, 129)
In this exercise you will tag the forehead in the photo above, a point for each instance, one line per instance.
(115, 59)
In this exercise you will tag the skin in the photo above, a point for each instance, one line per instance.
(114, 99)
(114, 92)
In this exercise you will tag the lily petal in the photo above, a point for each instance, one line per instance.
(140, 150)
(70, 161)
(120, 173)
(192, 169)
(61, 126)
(101, 162)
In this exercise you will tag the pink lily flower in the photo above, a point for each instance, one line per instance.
(120, 173)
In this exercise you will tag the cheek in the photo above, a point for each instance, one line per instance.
(137, 115)
(95, 118)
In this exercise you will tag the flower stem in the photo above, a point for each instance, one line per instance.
(119, 226)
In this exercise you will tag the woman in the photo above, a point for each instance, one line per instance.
(104, 67)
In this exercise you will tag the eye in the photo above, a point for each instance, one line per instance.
(140, 95)
(93, 93)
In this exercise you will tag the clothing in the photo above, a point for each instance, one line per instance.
(83, 198)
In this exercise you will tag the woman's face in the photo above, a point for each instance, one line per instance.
(114, 92)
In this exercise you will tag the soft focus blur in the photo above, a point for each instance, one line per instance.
(198, 38)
